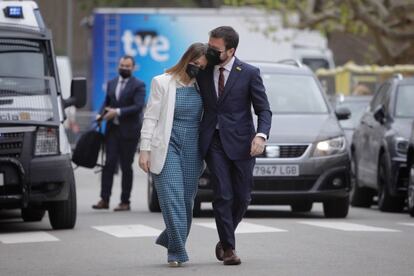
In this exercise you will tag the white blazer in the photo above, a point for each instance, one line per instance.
(158, 120)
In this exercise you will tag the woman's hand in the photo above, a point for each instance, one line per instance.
(144, 160)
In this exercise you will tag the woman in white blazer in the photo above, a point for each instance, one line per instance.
(169, 147)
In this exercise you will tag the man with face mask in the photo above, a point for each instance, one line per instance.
(122, 108)
(229, 141)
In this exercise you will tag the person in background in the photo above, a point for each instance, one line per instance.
(169, 147)
(122, 108)
(228, 139)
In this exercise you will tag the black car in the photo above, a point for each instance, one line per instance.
(357, 105)
(380, 144)
(306, 158)
(410, 166)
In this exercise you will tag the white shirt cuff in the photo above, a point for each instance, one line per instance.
(118, 112)
(264, 136)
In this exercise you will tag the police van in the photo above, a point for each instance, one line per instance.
(36, 173)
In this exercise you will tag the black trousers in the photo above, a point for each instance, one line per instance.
(120, 150)
(232, 186)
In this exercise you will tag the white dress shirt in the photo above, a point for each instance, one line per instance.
(119, 87)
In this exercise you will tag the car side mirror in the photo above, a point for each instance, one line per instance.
(77, 93)
(379, 114)
(342, 113)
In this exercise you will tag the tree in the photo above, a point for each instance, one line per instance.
(388, 23)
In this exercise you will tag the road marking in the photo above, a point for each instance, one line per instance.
(245, 228)
(347, 226)
(27, 237)
(407, 223)
(128, 231)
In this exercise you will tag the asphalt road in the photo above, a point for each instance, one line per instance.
(271, 241)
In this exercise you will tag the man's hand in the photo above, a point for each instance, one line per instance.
(110, 113)
(144, 160)
(258, 145)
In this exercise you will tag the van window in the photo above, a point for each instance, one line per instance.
(24, 58)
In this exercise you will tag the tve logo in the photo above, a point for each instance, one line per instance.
(145, 43)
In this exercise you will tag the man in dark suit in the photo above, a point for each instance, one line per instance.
(228, 139)
(122, 108)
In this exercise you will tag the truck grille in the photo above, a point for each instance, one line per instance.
(289, 151)
(11, 144)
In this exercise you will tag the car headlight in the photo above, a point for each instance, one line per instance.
(46, 141)
(330, 147)
(401, 145)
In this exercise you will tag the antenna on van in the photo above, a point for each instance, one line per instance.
(294, 62)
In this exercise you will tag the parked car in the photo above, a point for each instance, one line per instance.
(380, 144)
(410, 166)
(305, 160)
(357, 105)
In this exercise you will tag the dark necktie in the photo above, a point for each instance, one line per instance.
(122, 86)
(221, 82)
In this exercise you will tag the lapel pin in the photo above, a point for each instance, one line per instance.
(238, 68)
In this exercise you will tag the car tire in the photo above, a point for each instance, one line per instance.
(410, 192)
(32, 214)
(360, 196)
(336, 208)
(387, 202)
(301, 207)
(62, 214)
(197, 208)
(152, 197)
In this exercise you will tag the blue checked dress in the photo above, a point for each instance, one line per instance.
(177, 183)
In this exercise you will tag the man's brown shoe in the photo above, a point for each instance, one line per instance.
(230, 258)
(219, 251)
(122, 207)
(102, 204)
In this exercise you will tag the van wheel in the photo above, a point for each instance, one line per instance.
(32, 214)
(360, 196)
(152, 197)
(301, 207)
(62, 214)
(336, 208)
(387, 202)
(197, 208)
(410, 192)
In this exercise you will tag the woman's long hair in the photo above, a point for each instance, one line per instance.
(195, 51)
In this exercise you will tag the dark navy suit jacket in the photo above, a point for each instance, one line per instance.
(232, 112)
(131, 103)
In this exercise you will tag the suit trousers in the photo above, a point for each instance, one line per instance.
(232, 182)
(122, 151)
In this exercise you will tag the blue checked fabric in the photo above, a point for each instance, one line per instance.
(177, 183)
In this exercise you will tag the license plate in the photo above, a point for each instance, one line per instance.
(276, 170)
(1, 179)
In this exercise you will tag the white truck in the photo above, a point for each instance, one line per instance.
(36, 173)
(158, 37)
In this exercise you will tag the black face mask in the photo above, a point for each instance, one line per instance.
(124, 73)
(192, 70)
(213, 56)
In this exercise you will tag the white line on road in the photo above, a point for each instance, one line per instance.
(245, 228)
(347, 226)
(27, 237)
(128, 231)
(407, 223)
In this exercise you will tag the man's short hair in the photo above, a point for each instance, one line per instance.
(228, 34)
(129, 57)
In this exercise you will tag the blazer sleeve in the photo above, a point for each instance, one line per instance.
(260, 103)
(151, 115)
(138, 101)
